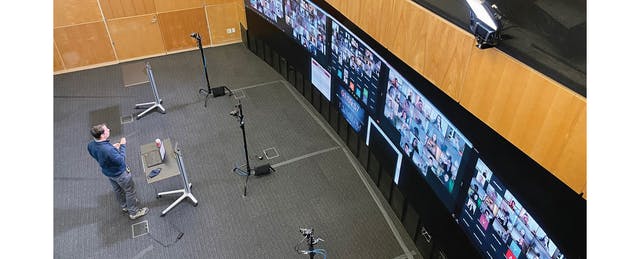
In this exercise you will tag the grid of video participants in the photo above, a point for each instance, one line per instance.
(504, 228)
(308, 25)
(272, 9)
(433, 144)
(355, 65)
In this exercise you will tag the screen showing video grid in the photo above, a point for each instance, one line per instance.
(433, 144)
(355, 66)
(498, 224)
(272, 10)
(307, 25)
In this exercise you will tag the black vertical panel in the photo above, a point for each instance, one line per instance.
(275, 60)
(385, 183)
(333, 117)
(324, 108)
(283, 67)
(352, 141)
(308, 91)
(260, 48)
(299, 82)
(267, 53)
(244, 35)
(316, 99)
(373, 169)
(410, 221)
(252, 44)
(291, 74)
(363, 155)
(397, 201)
(344, 129)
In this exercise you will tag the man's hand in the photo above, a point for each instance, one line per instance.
(117, 145)
(123, 141)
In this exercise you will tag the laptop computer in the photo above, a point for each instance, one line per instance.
(152, 158)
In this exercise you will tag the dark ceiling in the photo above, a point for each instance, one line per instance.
(548, 35)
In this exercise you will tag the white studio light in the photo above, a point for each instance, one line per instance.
(484, 23)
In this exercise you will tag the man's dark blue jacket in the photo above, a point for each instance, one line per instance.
(111, 160)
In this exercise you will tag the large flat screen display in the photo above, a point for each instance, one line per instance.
(433, 144)
(498, 224)
(272, 10)
(307, 24)
(321, 79)
(355, 66)
(350, 109)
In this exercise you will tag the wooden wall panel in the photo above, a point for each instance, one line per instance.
(410, 35)
(84, 44)
(574, 156)
(174, 5)
(177, 26)
(57, 60)
(123, 8)
(70, 12)
(222, 17)
(374, 8)
(215, 2)
(446, 61)
(240, 11)
(136, 36)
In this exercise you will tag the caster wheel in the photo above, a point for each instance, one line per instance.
(195, 205)
(162, 215)
(158, 196)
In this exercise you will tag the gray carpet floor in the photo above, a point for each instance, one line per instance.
(318, 183)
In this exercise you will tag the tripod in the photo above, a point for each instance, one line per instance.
(186, 192)
(238, 114)
(157, 103)
(311, 242)
(214, 92)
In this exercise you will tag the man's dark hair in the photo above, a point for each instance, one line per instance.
(97, 130)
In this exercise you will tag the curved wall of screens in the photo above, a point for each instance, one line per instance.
(448, 139)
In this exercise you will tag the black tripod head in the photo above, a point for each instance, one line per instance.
(196, 36)
(237, 112)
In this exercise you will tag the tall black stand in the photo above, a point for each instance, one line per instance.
(238, 113)
(213, 92)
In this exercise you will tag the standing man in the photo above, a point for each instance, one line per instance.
(111, 158)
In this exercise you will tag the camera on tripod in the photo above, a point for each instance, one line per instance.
(306, 231)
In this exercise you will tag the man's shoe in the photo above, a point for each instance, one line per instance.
(139, 213)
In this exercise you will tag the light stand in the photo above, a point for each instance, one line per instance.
(157, 103)
(214, 92)
(186, 192)
(238, 114)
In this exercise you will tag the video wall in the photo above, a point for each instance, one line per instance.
(433, 144)
(356, 66)
(341, 65)
(307, 25)
(498, 224)
(269, 9)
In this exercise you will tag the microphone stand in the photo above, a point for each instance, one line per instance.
(238, 113)
(207, 92)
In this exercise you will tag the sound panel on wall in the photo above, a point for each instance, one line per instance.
(374, 169)
(397, 201)
(385, 183)
(363, 155)
(410, 221)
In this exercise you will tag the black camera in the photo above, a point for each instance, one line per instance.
(306, 231)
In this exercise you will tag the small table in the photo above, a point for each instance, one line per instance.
(170, 167)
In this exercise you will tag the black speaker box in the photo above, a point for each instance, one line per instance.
(263, 170)
(218, 91)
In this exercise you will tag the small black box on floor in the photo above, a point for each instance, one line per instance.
(218, 91)
(263, 170)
